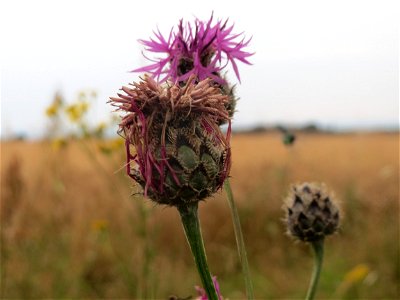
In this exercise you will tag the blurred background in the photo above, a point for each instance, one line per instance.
(320, 103)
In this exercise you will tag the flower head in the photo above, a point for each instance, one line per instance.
(202, 295)
(180, 154)
(311, 213)
(202, 49)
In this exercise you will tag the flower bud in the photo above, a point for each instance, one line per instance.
(311, 213)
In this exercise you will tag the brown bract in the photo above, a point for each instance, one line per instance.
(204, 97)
(311, 212)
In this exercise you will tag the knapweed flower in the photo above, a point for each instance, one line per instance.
(175, 148)
(201, 48)
(311, 213)
(202, 293)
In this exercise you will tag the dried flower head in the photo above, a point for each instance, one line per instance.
(311, 213)
(202, 49)
(180, 154)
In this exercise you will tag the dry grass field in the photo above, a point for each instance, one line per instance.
(74, 226)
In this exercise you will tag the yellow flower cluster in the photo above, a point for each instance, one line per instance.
(76, 111)
(58, 143)
(62, 114)
(110, 146)
(55, 106)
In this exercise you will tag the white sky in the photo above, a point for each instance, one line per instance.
(333, 62)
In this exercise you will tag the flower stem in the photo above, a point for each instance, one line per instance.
(318, 247)
(191, 225)
(239, 241)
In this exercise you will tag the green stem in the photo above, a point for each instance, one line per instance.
(191, 225)
(239, 241)
(318, 247)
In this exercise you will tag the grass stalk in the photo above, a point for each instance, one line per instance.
(239, 241)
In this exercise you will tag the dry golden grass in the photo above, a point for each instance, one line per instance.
(71, 229)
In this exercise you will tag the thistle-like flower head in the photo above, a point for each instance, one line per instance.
(175, 148)
(311, 213)
(200, 48)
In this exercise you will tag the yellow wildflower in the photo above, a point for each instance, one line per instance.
(76, 111)
(58, 143)
(52, 110)
(357, 274)
(99, 225)
(55, 106)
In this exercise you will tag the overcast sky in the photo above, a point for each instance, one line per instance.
(331, 62)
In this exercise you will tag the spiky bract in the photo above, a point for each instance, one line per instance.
(311, 213)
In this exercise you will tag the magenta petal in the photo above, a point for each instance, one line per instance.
(192, 41)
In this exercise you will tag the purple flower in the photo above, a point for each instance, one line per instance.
(202, 295)
(202, 49)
